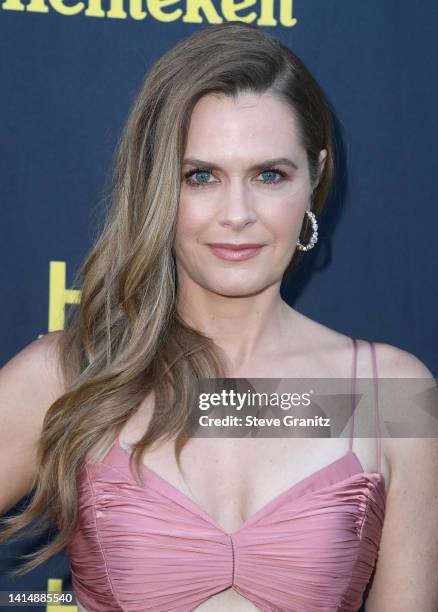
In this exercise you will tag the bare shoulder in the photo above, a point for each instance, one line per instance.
(406, 456)
(37, 364)
(405, 576)
(38, 360)
(29, 384)
(410, 456)
(394, 362)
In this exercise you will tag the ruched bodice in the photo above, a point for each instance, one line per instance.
(151, 547)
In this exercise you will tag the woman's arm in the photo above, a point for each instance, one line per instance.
(406, 577)
(29, 384)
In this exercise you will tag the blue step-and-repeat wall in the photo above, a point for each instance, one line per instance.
(69, 72)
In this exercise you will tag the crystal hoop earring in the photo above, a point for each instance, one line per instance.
(313, 237)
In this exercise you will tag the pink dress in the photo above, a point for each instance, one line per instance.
(312, 548)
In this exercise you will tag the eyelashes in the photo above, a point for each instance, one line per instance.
(190, 173)
(188, 176)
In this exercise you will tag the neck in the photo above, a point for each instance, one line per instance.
(246, 327)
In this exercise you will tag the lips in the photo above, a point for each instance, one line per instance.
(230, 245)
(235, 252)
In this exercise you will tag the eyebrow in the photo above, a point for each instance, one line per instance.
(268, 162)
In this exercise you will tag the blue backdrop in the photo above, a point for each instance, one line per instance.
(69, 74)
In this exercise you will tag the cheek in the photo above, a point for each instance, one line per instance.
(194, 218)
(284, 220)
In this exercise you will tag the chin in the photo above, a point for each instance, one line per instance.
(236, 290)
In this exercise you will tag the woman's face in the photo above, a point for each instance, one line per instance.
(232, 191)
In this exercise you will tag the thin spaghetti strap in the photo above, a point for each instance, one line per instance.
(353, 392)
(376, 404)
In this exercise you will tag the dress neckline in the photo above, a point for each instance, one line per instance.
(165, 488)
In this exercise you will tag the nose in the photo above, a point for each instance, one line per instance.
(237, 209)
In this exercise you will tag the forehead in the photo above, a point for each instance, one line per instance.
(257, 124)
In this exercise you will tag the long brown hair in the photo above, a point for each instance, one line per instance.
(125, 338)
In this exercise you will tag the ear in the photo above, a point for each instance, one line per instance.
(322, 158)
(321, 161)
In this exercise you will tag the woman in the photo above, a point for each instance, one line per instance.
(229, 141)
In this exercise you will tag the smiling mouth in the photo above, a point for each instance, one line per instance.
(235, 252)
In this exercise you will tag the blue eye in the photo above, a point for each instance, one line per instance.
(273, 173)
(199, 177)
(202, 172)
